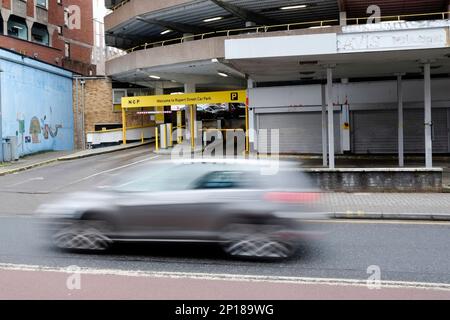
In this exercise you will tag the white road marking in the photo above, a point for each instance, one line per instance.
(381, 221)
(230, 277)
(112, 170)
(26, 181)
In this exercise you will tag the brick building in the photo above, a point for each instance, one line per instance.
(59, 32)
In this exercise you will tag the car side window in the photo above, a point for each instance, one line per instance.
(219, 180)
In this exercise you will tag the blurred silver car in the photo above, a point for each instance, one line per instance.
(252, 208)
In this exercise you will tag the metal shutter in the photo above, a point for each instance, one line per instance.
(299, 132)
(375, 131)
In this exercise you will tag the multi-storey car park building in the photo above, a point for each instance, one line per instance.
(41, 29)
(333, 76)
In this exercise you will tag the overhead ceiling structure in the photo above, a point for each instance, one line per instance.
(190, 17)
(205, 74)
(202, 16)
(358, 8)
(354, 65)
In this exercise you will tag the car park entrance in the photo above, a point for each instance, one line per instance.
(210, 114)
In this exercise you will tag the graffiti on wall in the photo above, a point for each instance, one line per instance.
(40, 129)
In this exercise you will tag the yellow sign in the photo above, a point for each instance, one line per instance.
(238, 96)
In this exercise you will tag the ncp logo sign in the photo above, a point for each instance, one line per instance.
(234, 96)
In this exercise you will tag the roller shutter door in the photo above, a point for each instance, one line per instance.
(299, 132)
(375, 131)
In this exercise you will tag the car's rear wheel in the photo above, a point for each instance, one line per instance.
(83, 235)
(255, 241)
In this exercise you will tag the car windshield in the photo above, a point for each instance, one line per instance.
(175, 177)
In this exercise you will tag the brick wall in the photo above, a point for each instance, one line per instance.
(81, 40)
(99, 108)
(27, 48)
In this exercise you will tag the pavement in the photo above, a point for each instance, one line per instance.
(44, 158)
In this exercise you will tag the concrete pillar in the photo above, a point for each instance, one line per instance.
(401, 153)
(428, 120)
(51, 31)
(189, 37)
(342, 18)
(5, 15)
(251, 119)
(324, 127)
(30, 27)
(330, 117)
(5, 27)
(190, 88)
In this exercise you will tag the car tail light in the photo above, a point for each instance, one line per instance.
(292, 197)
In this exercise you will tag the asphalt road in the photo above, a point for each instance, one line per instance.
(404, 251)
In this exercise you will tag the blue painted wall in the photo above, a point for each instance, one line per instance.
(36, 100)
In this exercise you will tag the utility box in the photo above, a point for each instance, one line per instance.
(10, 149)
(6, 146)
(13, 140)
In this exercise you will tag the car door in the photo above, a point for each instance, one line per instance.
(191, 213)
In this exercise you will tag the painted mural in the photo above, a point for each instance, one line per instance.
(36, 104)
(39, 129)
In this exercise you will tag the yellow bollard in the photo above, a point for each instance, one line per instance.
(164, 135)
(156, 139)
(170, 135)
(124, 126)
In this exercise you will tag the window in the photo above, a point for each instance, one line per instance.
(60, 30)
(42, 3)
(118, 94)
(17, 27)
(221, 180)
(39, 34)
(67, 49)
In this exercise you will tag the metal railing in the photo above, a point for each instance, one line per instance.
(119, 5)
(285, 27)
